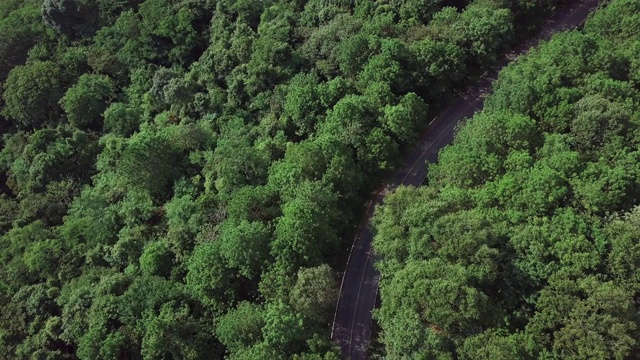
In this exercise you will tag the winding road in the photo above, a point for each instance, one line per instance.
(358, 291)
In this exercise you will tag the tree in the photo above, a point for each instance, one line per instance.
(208, 277)
(245, 246)
(315, 293)
(486, 31)
(85, 102)
(150, 162)
(352, 53)
(404, 336)
(302, 161)
(241, 327)
(22, 28)
(171, 29)
(379, 153)
(614, 21)
(42, 257)
(22, 268)
(497, 344)
(254, 203)
(69, 17)
(322, 46)
(161, 78)
(604, 186)
(442, 295)
(121, 119)
(31, 305)
(175, 332)
(51, 155)
(9, 209)
(390, 66)
(32, 92)
(547, 246)
(350, 120)
(390, 241)
(597, 320)
(622, 260)
(236, 162)
(403, 120)
(230, 43)
(438, 66)
(413, 12)
(597, 120)
(481, 147)
(308, 229)
(302, 104)
(156, 260)
(283, 329)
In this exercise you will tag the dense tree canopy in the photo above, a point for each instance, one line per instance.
(177, 174)
(524, 242)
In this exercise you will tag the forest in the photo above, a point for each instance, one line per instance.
(180, 179)
(525, 241)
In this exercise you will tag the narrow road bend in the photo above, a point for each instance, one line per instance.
(358, 291)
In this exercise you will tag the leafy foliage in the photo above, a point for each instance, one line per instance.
(523, 242)
(177, 174)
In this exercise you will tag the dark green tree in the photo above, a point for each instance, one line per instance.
(31, 94)
(70, 17)
(85, 102)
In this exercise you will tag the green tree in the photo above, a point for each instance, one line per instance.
(596, 121)
(245, 246)
(413, 12)
(22, 28)
(208, 277)
(70, 17)
(315, 293)
(308, 229)
(302, 104)
(322, 46)
(486, 31)
(497, 344)
(352, 53)
(302, 161)
(444, 297)
(241, 327)
(350, 120)
(121, 119)
(177, 333)
(283, 328)
(150, 162)
(50, 155)
(156, 259)
(622, 260)
(85, 101)
(236, 162)
(404, 119)
(380, 152)
(31, 94)
(594, 320)
(438, 66)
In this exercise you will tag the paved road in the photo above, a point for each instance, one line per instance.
(358, 292)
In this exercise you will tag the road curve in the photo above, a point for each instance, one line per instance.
(358, 291)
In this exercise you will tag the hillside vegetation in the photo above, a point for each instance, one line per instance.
(525, 244)
(177, 174)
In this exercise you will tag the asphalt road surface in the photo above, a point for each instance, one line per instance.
(358, 291)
